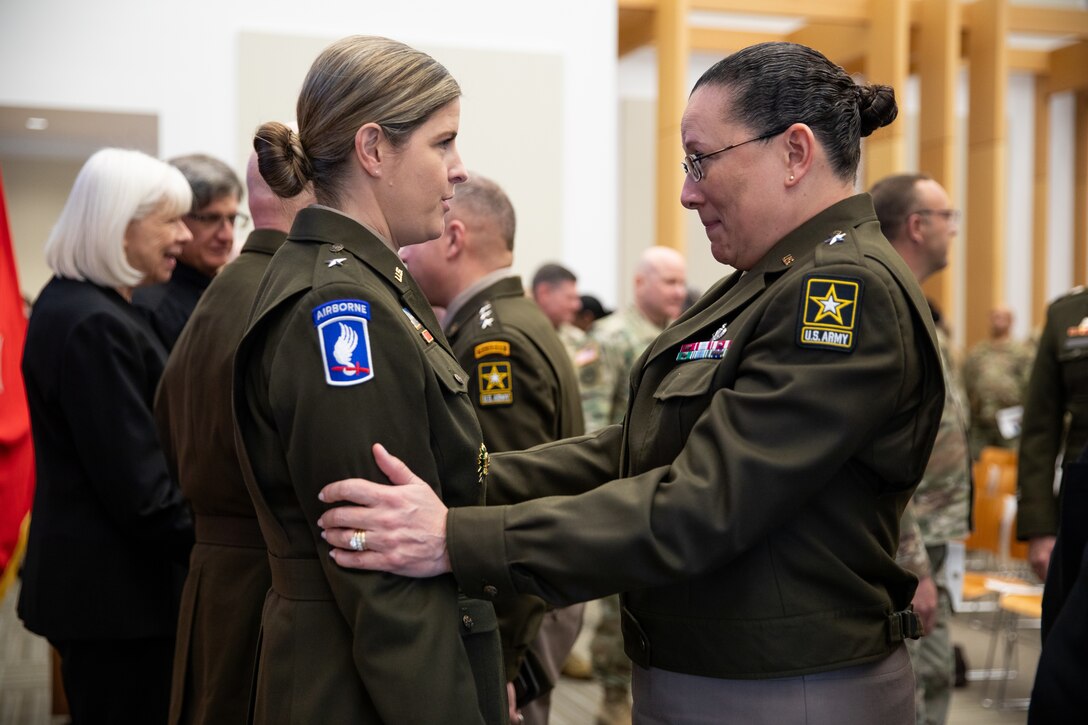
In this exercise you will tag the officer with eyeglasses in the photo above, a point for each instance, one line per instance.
(916, 216)
(772, 438)
(213, 220)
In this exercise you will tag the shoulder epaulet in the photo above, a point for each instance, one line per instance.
(840, 246)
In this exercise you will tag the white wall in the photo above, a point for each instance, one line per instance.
(180, 60)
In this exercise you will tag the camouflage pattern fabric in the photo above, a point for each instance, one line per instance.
(605, 376)
(938, 513)
(912, 551)
(941, 502)
(995, 376)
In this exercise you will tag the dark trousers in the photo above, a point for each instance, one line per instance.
(117, 681)
(1059, 694)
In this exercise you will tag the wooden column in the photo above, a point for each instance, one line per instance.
(1040, 203)
(671, 26)
(1080, 190)
(938, 66)
(888, 63)
(986, 165)
(1068, 68)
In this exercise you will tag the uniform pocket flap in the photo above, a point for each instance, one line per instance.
(687, 380)
(447, 369)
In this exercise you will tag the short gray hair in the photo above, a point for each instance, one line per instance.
(482, 198)
(114, 188)
(210, 179)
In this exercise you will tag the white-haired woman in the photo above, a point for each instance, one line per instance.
(110, 533)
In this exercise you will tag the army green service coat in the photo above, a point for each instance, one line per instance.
(773, 437)
(343, 351)
(523, 385)
(1057, 389)
(228, 569)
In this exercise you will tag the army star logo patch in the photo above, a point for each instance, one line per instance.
(496, 383)
(829, 313)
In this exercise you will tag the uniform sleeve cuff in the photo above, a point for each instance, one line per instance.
(475, 538)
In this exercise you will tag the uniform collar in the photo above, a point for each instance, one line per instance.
(264, 241)
(795, 248)
(507, 286)
(322, 225)
(462, 299)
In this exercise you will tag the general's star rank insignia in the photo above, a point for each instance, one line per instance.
(486, 318)
(496, 383)
(828, 318)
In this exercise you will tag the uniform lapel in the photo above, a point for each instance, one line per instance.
(735, 292)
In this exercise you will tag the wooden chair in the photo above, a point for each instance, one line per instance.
(993, 537)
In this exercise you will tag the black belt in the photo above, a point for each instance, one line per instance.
(904, 625)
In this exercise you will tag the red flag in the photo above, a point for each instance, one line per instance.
(16, 449)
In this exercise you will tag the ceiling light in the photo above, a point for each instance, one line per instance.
(37, 123)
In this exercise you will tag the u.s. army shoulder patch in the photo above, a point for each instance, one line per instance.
(345, 341)
(830, 308)
(496, 383)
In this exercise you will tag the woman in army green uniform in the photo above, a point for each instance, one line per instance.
(773, 436)
(342, 349)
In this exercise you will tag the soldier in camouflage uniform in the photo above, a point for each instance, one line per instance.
(916, 217)
(604, 369)
(995, 376)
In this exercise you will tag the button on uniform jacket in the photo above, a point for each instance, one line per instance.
(343, 351)
(773, 437)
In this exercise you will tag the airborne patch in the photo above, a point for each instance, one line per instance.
(496, 383)
(829, 313)
(345, 341)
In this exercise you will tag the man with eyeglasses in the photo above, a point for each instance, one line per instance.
(917, 218)
(213, 219)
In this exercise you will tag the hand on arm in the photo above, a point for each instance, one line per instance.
(405, 523)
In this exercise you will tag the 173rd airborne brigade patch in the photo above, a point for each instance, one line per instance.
(345, 341)
(496, 377)
(829, 313)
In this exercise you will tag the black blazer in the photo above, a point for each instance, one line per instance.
(110, 533)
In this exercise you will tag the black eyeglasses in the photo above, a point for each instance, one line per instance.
(949, 215)
(692, 163)
(216, 220)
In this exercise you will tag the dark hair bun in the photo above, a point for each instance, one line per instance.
(281, 159)
(877, 107)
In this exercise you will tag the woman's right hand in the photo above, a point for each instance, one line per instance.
(404, 524)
